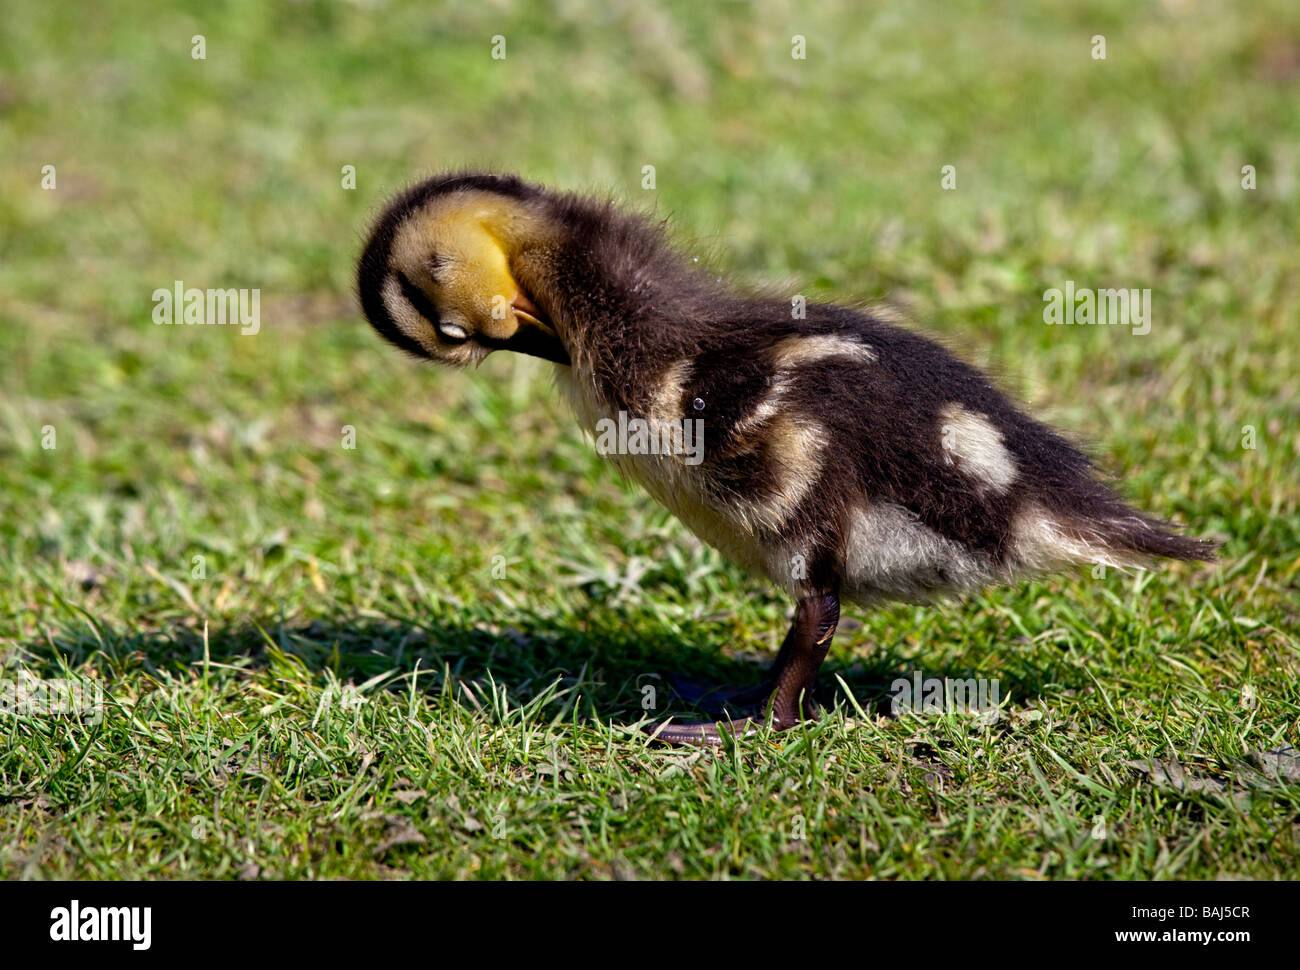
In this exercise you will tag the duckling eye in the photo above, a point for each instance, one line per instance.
(451, 332)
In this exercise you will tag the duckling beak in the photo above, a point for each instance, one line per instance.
(535, 334)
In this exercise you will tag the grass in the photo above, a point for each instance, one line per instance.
(424, 656)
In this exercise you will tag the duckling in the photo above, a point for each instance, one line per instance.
(844, 458)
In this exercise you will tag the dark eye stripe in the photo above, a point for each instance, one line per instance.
(425, 308)
(415, 296)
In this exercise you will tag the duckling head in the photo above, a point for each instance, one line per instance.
(438, 276)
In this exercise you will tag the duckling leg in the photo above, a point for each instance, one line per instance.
(789, 689)
(723, 702)
(795, 670)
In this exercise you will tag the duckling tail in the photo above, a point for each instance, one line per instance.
(1148, 536)
(1099, 528)
(1125, 536)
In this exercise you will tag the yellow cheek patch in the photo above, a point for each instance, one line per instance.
(473, 276)
(481, 278)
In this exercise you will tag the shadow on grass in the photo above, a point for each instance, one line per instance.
(607, 666)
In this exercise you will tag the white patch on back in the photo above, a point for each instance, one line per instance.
(969, 441)
(793, 351)
(787, 355)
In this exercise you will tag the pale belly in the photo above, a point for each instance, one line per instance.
(672, 482)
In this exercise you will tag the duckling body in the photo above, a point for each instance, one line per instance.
(843, 456)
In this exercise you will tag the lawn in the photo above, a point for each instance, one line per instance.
(354, 616)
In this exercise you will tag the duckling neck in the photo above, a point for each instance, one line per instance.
(619, 296)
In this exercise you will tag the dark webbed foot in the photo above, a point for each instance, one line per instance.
(787, 694)
(703, 732)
